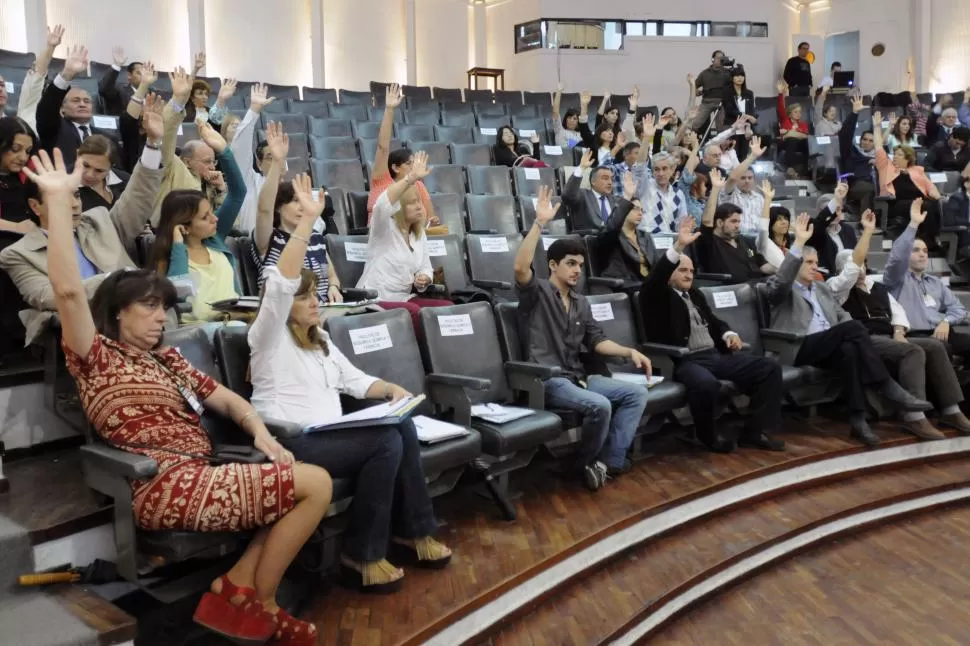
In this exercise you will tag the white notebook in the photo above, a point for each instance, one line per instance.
(431, 431)
(499, 414)
(638, 378)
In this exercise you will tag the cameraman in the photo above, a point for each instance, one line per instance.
(713, 83)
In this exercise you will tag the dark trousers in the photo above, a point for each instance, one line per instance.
(862, 192)
(795, 152)
(926, 374)
(927, 232)
(958, 342)
(385, 463)
(756, 376)
(846, 348)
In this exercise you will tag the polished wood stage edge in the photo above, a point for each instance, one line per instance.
(906, 583)
(555, 518)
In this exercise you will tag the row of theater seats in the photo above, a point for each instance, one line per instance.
(454, 374)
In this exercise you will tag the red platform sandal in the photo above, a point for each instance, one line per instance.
(246, 624)
(293, 632)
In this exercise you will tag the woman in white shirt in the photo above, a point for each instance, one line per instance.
(298, 376)
(397, 255)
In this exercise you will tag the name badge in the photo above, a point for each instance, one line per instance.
(192, 400)
(929, 301)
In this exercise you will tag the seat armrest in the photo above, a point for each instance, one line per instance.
(792, 337)
(487, 232)
(585, 232)
(602, 281)
(887, 198)
(353, 294)
(359, 231)
(542, 371)
(118, 462)
(282, 428)
(492, 284)
(954, 229)
(674, 351)
(461, 381)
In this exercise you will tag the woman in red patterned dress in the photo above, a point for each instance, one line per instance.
(147, 399)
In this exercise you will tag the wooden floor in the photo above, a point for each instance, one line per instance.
(553, 515)
(907, 584)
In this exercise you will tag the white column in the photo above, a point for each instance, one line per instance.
(410, 42)
(480, 35)
(316, 44)
(196, 11)
(35, 25)
(923, 23)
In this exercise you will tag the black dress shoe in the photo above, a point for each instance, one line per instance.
(903, 400)
(761, 441)
(717, 443)
(862, 432)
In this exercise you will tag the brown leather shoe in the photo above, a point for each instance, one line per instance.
(923, 429)
(958, 421)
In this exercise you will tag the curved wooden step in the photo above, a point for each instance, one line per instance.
(591, 609)
(474, 620)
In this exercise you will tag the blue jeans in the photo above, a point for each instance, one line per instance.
(390, 494)
(606, 434)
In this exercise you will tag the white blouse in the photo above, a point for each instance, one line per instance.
(289, 382)
(391, 265)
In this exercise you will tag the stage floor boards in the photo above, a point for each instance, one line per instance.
(553, 515)
(907, 584)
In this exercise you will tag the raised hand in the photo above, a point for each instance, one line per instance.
(868, 220)
(635, 98)
(692, 141)
(916, 213)
(840, 192)
(76, 62)
(587, 159)
(649, 123)
(148, 74)
(892, 119)
(151, 118)
(690, 79)
(857, 104)
(258, 99)
(757, 150)
(210, 136)
(118, 56)
(277, 141)
(606, 97)
(420, 168)
(303, 191)
(620, 140)
(686, 234)
(51, 176)
(545, 211)
(877, 118)
(767, 190)
(585, 98)
(181, 85)
(782, 87)
(629, 186)
(534, 138)
(393, 95)
(216, 179)
(226, 90)
(199, 63)
(803, 229)
(718, 181)
(54, 36)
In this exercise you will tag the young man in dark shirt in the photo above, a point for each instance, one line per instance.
(798, 72)
(557, 323)
(721, 249)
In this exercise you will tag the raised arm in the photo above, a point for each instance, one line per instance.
(842, 283)
(878, 136)
(174, 113)
(691, 94)
(693, 159)
(898, 263)
(647, 135)
(148, 77)
(107, 84)
(556, 102)
(392, 99)
(58, 188)
(419, 170)
(49, 108)
(278, 144)
(236, 188)
(717, 185)
(820, 104)
(765, 245)
(545, 212)
(602, 109)
(226, 91)
(780, 283)
(584, 99)
(756, 152)
(847, 132)
(33, 86)
(43, 60)
(197, 65)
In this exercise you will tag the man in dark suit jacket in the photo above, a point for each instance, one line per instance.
(589, 208)
(115, 98)
(827, 226)
(675, 312)
(952, 154)
(64, 114)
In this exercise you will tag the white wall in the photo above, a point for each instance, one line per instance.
(843, 48)
(254, 40)
(877, 21)
(949, 67)
(521, 71)
(12, 34)
(442, 41)
(363, 42)
(155, 30)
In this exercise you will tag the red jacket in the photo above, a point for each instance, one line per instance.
(785, 123)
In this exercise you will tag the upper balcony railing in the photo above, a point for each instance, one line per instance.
(561, 33)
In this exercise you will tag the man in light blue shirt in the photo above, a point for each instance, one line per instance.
(930, 305)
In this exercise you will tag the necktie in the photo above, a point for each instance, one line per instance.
(604, 209)
(85, 132)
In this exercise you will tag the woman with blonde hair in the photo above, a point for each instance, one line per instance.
(298, 376)
(398, 264)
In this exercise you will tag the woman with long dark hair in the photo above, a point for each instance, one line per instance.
(740, 103)
(145, 398)
(507, 152)
(17, 142)
(567, 125)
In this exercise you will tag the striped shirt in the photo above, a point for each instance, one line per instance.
(315, 259)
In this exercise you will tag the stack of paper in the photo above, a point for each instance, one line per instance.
(638, 378)
(498, 414)
(432, 431)
(379, 415)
